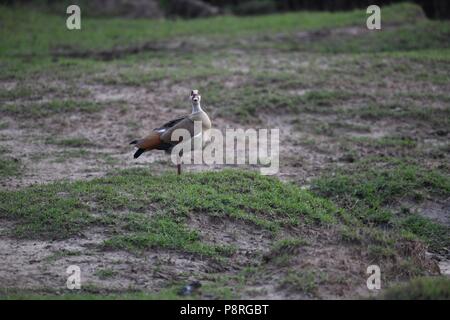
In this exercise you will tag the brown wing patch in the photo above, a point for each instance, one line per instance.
(149, 142)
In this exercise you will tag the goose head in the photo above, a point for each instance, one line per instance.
(195, 97)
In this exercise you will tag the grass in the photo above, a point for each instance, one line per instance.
(440, 54)
(54, 107)
(288, 244)
(9, 166)
(72, 153)
(253, 98)
(305, 281)
(51, 32)
(163, 232)
(76, 142)
(88, 292)
(371, 190)
(283, 250)
(179, 73)
(386, 182)
(412, 37)
(403, 112)
(64, 209)
(28, 53)
(61, 254)
(36, 90)
(105, 273)
(387, 141)
(425, 288)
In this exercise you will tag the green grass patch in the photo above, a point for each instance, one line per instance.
(284, 250)
(425, 288)
(49, 31)
(76, 142)
(288, 245)
(45, 211)
(140, 210)
(436, 235)
(27, 52)
(382, 183)
(89, 292)
(305, 281)
(440, 54)
(402, 112)
(387, 141)
(9, 166)
(370, 189)
(161, 69)
(262, 94)
(105, 273)
(42, 110)
(162, 232)
(414, 37)
(35, 90)
(62, 254)
(68, 154)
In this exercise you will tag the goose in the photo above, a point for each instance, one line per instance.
(160, 138)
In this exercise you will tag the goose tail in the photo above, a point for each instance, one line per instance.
(138, 153)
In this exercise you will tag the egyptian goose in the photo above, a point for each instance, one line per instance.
(160, 138)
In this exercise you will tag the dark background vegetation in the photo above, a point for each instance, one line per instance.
(433, 8)
(439, 9)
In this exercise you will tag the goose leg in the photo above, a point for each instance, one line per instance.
(179, 163)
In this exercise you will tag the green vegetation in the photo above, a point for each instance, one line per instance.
(9, 166)
(403, 142)
(426, 288)
(66, 154)
(105, 273)
(61, 254)
(50, 31)
(76, 142)
(162, 232)
(41, 110)
(61, 210)
(283, 250)
(288, 244)
(88, 293)
(410, 37)
(403, 113)
(36, 90)
(305, 281)
(372, 189)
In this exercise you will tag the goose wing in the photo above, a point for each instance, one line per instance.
(160, 138)
(182, 123)
(169, 124)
